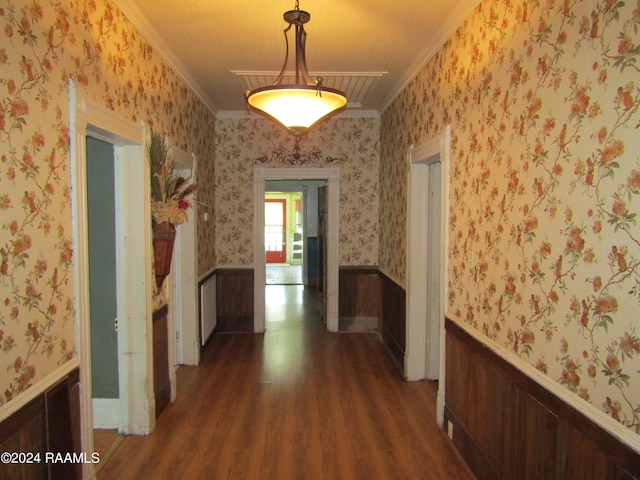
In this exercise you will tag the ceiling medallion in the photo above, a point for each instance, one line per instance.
(301, 105)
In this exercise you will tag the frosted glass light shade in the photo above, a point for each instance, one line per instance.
(297, 107)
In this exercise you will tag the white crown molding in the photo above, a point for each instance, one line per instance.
(151, 35)
(444, 33)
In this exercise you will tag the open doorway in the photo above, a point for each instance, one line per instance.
(184, 326)
(133, 259)
(103, 294)
(427, 263)
(285, 233)
(264, 180)
(275, 230)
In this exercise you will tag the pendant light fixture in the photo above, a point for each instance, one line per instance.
(301, 105)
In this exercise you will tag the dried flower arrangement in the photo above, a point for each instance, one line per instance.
(169, 191)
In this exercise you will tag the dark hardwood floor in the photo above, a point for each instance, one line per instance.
(295, 403)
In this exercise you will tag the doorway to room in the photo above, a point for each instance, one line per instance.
(285, 233)
(275, 230)
(133, 260)
(305, 245)
(427, 262)
(103, 291)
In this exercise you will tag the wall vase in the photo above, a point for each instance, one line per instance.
(164, 235)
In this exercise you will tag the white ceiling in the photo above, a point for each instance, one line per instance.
(369, 49)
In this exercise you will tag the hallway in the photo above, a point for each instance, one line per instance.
(282, 274)
(295, 403)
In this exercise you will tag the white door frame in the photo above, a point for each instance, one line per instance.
(260, 175)
(184, 328)
(134, 263)
(420, 157)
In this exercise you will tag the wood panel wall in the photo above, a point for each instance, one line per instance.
(393, 325)
(49, 423)
(360, 299)
(234, 299)
(161, 377)
(507, 426)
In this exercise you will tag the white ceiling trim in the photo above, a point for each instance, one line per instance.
(140, 22)
(443, 34)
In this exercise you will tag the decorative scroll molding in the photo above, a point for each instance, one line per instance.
(297, 157)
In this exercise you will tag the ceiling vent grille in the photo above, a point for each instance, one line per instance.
(356, 86)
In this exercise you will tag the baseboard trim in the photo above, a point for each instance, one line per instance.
(106, 412)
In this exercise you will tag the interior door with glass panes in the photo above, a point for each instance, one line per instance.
(275, 239)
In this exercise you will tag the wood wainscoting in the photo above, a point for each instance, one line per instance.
(161, 376)
(50, 423)
(507, 426)
(393, 326)
(234, 299)
(360, 299)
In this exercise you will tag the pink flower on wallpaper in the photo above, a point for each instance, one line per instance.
(542, 366)
(17, 364)
(66, 252)
(618, 257)
(584, 318)
(606, 304)
(531, 224)
(613, 363)
(575, 243)
(597, 283)
(612, 408)
(25, 377)
(580, 101)
(602, 76)
(597, 227)
(516, 73)
(633, 181)
(629, 345)
(545, 249)
(570, 374)
(33, 331)
(19, 108)
(40, 267)
(8, 343)
(534, 106)
(22, 244)
(624, 97)
(528, 337)
(619, 208)
(625, 46)
(609, 153)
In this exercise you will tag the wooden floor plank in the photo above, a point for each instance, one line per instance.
(295, 403)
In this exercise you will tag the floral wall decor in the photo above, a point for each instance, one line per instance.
(43, 44)
(170, 200)
(240, 141)
(297, 156)
(543, 99)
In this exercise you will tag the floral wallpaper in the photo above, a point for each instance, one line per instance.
(43, 43)
(543, 100)
(352, 144)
